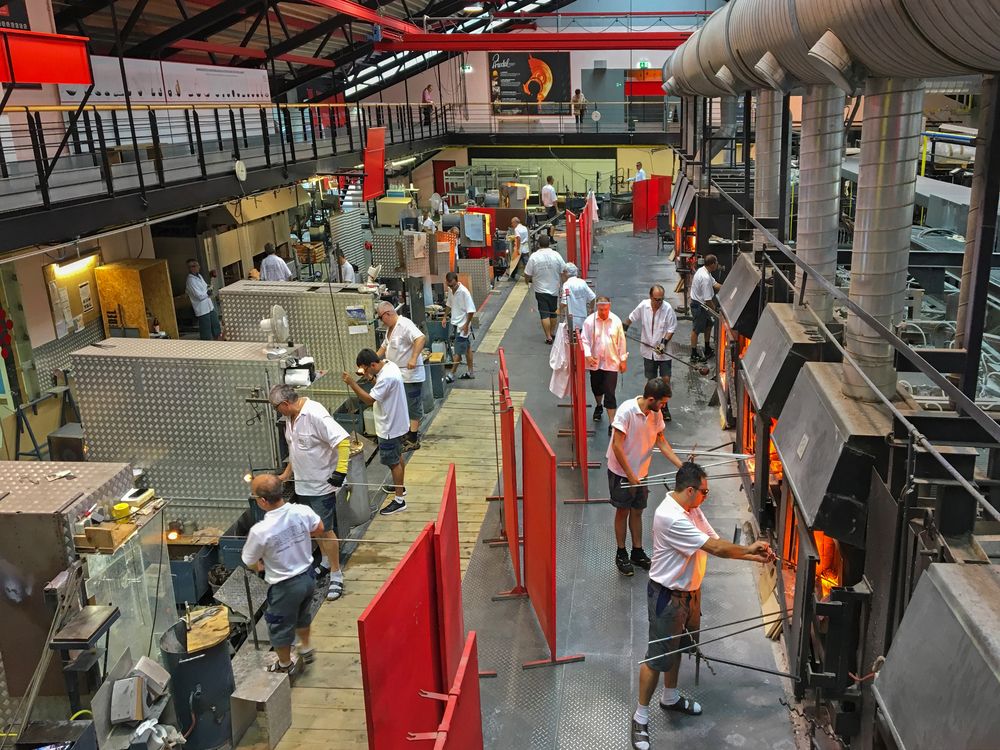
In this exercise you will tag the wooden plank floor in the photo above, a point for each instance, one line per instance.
(327, 700)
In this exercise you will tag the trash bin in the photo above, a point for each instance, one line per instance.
(201, 685)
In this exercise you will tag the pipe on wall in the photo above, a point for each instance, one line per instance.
(890, 145)
(767, 158)
(820, 156)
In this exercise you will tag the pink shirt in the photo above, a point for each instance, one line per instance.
(427, 97)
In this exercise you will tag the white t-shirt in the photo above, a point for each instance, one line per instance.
(399, 349)
(549, 197)
(604, 340)
(576, 295)
(461, 304)
(678, 537)
(273, 268)
(653, 327)
(197, 292)
(641, 431)
(312, 448)
(347, 272)
(283, 541)
(640, 175)
(702, 285)
(545, 268)
(522, 232)
(392, 419)
(429, 225)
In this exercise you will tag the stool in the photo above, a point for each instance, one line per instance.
(259, 690)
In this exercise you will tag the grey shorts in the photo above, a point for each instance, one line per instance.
(390, 452)
(209, 327)
(289, 608)
(652, 368)
(701, 320)
(414, 399)
(325, 507)
(670, 614)
(625, 496)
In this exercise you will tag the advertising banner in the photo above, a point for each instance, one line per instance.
(523, 83)
(14, 15)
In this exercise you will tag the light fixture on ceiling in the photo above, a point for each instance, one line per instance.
(474, 9)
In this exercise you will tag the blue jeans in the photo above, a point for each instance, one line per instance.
(209, 327)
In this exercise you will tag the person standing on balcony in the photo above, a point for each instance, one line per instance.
(606, 353)
(550, 199)
(640, 173)
(273, 268)
(579, 104)
(682, 541)
(703, 289)
(427, 104)
(657, 323)
(198, 291)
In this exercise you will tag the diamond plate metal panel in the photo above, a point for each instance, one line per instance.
(480, 274)
(178, 410)
(317, 317)
(346, 231)
(389, 251)
(55, 354)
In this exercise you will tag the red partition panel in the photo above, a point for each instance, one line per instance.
(400, 651)
(538, 484)
(374, 183)
(449, 579)
(640, 205)
(571, 238)
(462, 727)
(665, 185)
(511, 516)
(33, 57)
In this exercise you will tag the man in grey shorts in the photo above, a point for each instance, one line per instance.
(281, 546)
(404, 345)
(682, 541)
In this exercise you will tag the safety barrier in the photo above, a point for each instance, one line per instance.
(449, 579)
(539, 488)
(586, 224)
(648, 197)
(393, 703)
(579, 432)
(462, 726)
(572, 236)
(510, 527)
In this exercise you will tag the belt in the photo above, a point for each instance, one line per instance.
(675, 592)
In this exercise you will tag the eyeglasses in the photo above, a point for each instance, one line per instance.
(703, 491)
(656, 299)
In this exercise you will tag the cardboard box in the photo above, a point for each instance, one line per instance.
(109, 535)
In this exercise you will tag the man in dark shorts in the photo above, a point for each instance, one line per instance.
(544, 273)
(388, 401)
(638, 428)
(281, 546)
(703, 289)
(682, 541)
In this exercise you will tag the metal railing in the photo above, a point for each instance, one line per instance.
(57, 154)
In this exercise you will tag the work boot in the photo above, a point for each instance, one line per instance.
(623, 563)
(709, 353)
(666, 413)
(640, 559)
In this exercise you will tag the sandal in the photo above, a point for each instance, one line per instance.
(684, 706)
(276, 668)
(466, 376)
(336, 589)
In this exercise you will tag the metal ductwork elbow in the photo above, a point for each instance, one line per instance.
(771, 71)
(831, 56)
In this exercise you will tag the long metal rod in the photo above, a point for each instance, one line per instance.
(712, 640)
(962, 401)
(914, 433)
(751, 667)
(715, 627)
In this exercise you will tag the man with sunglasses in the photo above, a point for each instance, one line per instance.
(657, 323)
(404, 345)
(682, 541)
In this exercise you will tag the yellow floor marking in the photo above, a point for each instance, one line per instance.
(491, 341)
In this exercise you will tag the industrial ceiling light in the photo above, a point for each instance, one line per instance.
(473, 10)
(831, 57)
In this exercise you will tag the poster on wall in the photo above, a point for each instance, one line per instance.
(14, 15)
(211, 84)
(529, 82)
(145, 83)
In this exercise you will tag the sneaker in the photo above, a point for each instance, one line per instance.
(308, 657)
(389, 489)
(610, 430)
(624, 564)
(666, 413)
(640, 736)
(698, 357)
(598, 413)
(709, 353)
(639, 558)
(448, 378)
(411, 445)
(467, 376)
(290, 670)
(396, 505)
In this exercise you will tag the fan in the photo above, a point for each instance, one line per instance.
(436, 202)
(276, 328)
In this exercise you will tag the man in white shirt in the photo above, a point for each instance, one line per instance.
(682, 541)
(281, 546)
(638, 429)
(657, 322)
(703, 289)
(544, 273)
(549, 198)
(605, 353)
(388, 400)
(273, 268)
(640, 173)
(427, 224)
(517, 240)
(346, 269)
(404, 345)
(576, 301)
(318, 453)
(209, 328)
(460, 309)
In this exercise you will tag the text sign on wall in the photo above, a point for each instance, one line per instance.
(523, 82)
(14, 15)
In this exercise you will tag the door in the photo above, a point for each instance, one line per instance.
(439, 166)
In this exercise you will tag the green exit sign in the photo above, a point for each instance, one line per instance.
(466, 68)
(643, 64)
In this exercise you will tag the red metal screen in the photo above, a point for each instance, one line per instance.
(33, 57)
(462, 728)
(571, 238)
(400, 651)
(449, 579)
(374, 182)
(508, 447)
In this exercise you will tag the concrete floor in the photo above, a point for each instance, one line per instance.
(602, 614)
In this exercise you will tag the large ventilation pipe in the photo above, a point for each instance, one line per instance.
(767, 158)
(890, 145)
(820, 156)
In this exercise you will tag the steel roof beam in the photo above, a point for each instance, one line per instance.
(538, 42)
(363, 13)
(248, 52)
(206, 23)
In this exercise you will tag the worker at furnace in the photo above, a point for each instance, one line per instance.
(318, 453)
(682, 541)
(281, 546)
(703, 289)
